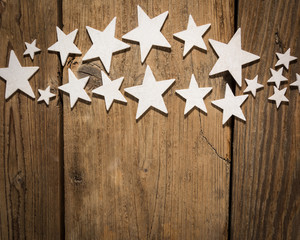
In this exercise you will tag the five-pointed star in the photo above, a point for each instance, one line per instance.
(277, 77)
(194, 96)
(31, 49)
(110, 90)
(148, 32)
(17, 77)
(150, 93)
(278, 96)
(104, 44)
(192, 36)
(297, 82)
(252, 86)
(45, 95)
(75, 88)
(231, 105)
(65, 45)
(231, 57)
(285, 59)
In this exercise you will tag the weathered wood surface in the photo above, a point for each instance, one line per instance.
(30, 139)
(266, 150)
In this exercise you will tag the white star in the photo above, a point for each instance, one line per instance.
(192, 36)
(277, 77)
(65, 45)
(17, 77)
(252, 86)
(285, 59)
(297, 82)
(278, 96)
(231, 105)
(110, 90)
(45, 95)
(150, 93)
(104, 44)
(148, 32)
(194, 96)
(31, 49)
(231, 57)
(75, 88)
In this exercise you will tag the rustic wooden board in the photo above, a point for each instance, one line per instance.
(30, 139)
(265, 193)
(161, 177)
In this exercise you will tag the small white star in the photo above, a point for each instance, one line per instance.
(31, 49)
(253, 86)
(193, 36)
(45, 95)
(231, 105)
(278, 96)
(75, 88)
(194, 96)
(65, 45)
(110, 90)
(285, 59)
(277, 77)
(297, 82)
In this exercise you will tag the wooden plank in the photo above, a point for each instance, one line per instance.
(265, 193)
(29, 132)
(160, 177)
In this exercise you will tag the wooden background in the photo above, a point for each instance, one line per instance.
(89, 174)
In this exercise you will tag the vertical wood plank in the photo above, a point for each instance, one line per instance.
(265, 193)
(160, 177)
(30, 142)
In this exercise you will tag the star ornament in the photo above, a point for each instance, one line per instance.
(65, 45)
(231, 57)
(75, 88)
(277, 77)
(17, 77)
(192, 36)
(231, 105)
(148, 32)
(150, 93)
(297, 82)
(194, 96)
(31, 49)
(110, 90)
(45, 95)
(104, 44)
(252, 86)
(285, 59)
(278, 96)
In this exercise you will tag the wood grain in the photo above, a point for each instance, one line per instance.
(30, 140)
(266, 150)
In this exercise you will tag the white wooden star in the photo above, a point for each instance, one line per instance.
(285, 59)
(297, 82)
(31, 49)
(148, 32)
(65, 45)
(252, 86)
(231, 105)
(45, 95)
(192, 36)
(278, 96)
(104, 44)
(150, 93)
(231, 57)
(17, 77)
(277, 77)
(110, 90)
(75, 88)
(194, 96)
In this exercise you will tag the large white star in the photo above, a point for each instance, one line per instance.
(231, 57)
(148, 32)
(17, 77)
(75, 88)
(65, 45)
(252, 86)
(110, 90)
(192, 36)
(277, 77)
(297, 82)
(231, 105)
(278, 96)
(31, 49)
(45, 95)
(150, 93)
(194, 96)
(104, 44)
(285, 59)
